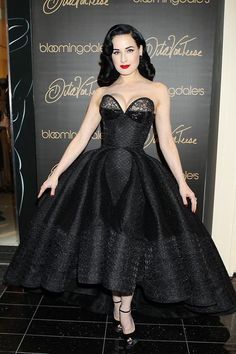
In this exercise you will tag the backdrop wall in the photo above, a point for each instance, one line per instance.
(67, 40)
(184, 42)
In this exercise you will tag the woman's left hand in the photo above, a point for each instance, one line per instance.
(185, 193)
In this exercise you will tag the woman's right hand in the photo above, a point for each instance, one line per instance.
(51, 182)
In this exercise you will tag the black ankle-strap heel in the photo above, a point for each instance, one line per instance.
(130, 339)
(116, 323)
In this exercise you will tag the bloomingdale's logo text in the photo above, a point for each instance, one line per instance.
(172, 2)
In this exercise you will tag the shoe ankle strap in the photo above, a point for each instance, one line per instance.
(125, 311)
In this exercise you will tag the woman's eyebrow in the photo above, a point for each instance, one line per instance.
(125, 47)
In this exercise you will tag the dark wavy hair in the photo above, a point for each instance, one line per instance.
(108, 73)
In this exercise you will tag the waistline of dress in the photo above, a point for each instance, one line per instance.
(111, 146)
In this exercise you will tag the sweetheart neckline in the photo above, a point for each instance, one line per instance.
(124, 112)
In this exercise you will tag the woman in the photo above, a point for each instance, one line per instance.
(116, 216)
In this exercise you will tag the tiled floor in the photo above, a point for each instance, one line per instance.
(35, 323)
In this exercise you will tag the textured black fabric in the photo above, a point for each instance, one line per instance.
(118, 222)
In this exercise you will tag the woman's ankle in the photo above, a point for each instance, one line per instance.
(116, 298)
(127, 322)
(124, 309)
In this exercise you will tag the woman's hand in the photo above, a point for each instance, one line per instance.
(185, 192)
(51, 182)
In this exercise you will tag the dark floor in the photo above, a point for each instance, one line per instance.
(35, 323)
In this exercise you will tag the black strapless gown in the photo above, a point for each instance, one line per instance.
(117, 222)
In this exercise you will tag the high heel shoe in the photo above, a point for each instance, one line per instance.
(116, 323)
(130, 339)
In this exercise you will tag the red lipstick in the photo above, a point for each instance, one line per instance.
(124, 66)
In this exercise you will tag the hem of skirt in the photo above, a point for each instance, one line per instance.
(196, 308)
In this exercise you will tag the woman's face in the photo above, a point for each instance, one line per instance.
(125, 54)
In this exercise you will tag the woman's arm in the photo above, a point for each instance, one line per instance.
(77, 145)
(87, 128)
(167, 144)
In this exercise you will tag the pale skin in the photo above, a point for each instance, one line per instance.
(124, 89)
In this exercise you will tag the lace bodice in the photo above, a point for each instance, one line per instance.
(127, 128)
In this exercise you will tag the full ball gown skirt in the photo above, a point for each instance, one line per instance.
(118, 222)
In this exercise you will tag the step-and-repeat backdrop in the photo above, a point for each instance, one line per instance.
(67, 41)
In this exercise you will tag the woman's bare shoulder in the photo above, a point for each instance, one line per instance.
(160, 86)
(98, 94)
(160, 91)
